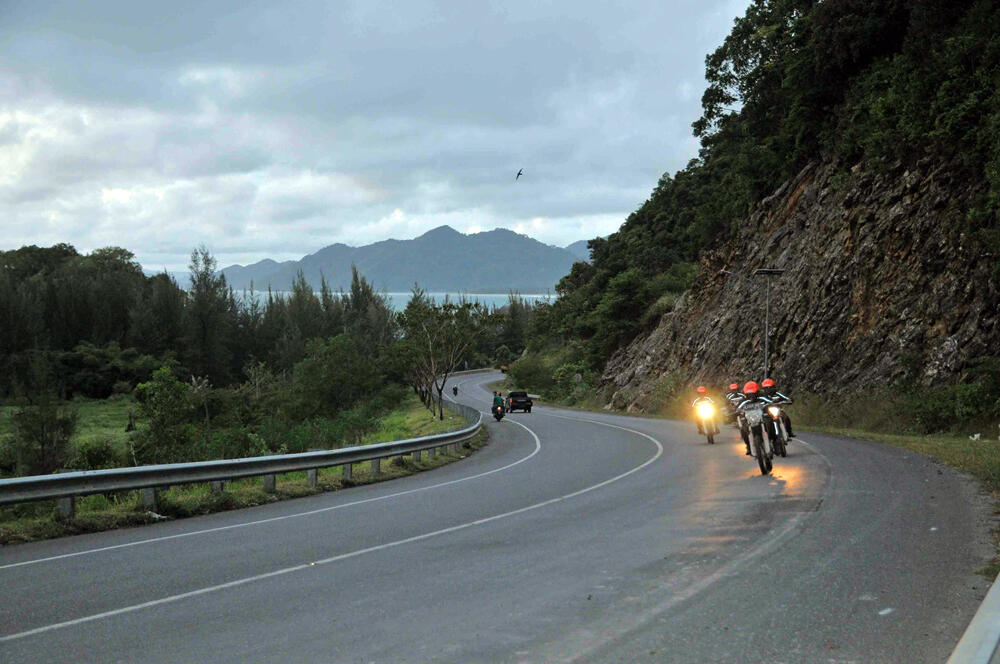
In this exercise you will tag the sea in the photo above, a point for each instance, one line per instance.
(490, 300)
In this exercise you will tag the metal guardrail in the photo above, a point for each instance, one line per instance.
(66, 486)
(980, 644)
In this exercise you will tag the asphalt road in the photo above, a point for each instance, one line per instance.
(571, 536)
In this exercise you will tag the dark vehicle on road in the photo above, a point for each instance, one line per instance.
(519, 401)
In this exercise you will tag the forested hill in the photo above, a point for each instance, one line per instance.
(442, 259)
(856, 144)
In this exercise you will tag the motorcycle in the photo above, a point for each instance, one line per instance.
(780, 433)
(706, 413)
(754, 414)
(498, 412)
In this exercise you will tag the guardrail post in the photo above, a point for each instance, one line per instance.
(311, 476)
(67, 507)
(347, 471)
(149, 498)
(431, 453)
(416, 456)
(376, 466)
(270, 483)
(216, 486)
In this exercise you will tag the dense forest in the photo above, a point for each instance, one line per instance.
(796, 81)
(217, 373)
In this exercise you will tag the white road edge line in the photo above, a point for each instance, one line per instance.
(352, 554)
(258, 522)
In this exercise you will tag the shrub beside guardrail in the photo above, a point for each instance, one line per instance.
(67, 486)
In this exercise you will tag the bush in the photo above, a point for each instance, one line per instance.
(316, 433)
(8, 459)
(169, 435)
(502, 355)
(41, 436)
(530, 373)
(236, 444)
(122, 387)
(96, 454)
(174, 443)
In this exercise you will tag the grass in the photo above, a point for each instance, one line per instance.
(97, 420)
(35, 521)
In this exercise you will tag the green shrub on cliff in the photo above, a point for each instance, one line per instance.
(799, 81)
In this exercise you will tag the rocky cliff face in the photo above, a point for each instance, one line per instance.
(880, 286)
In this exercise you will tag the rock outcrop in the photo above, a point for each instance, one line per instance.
(880, 285)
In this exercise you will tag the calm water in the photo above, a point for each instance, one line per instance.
(398, 300)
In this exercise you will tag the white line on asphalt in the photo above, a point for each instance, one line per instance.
(344, 556)
(258, 522)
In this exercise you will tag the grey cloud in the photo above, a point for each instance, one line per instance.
(256, 127)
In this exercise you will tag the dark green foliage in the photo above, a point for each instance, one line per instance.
(333, 376)
(531, 373)
(215, 376)
(170, 410)
(97, 373)
(502, 356)
(42, 431)
(96, 454)
(208, 321)
(799, 81)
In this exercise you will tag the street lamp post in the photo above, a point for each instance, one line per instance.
(768, 273)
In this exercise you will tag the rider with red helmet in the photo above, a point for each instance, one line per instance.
(751, 394)
(778, 399)
(703, 396)
(733, 399)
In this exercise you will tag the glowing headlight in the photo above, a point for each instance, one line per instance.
(705, 410)
(774, 410)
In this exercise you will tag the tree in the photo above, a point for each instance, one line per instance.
(208, 319)
(333, 376)
(169, 409)
(441, 337)
(42, 431)
(368, 317)
(156, 318)
(304, 309)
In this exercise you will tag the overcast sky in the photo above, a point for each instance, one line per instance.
(270, 130)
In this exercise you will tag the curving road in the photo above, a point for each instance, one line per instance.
(572, 536)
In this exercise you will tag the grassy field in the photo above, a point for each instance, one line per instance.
(33, 521)
(97, 421)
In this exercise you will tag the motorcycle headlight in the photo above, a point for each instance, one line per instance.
(705, 410)
(774, 410)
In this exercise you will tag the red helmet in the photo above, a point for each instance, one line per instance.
(767, 382)
(701, 389)
(733, 387)
(751, 388)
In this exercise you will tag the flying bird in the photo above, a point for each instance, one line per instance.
(520, 170)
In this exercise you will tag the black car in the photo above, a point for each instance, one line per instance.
(519, 401)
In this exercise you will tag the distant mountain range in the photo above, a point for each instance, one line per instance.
(580, 250)
(440, 260)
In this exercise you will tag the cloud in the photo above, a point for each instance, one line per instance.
(271, 131)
